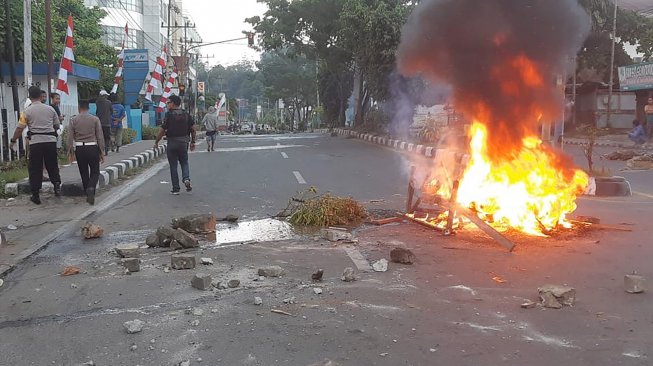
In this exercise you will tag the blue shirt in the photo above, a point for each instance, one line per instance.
(117, 115)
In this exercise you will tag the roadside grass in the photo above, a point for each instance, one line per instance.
(12, 172)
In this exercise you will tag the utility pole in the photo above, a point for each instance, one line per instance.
(27, 42)
(48, 41)
(614, 41)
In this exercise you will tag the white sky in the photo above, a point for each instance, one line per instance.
(218, 20)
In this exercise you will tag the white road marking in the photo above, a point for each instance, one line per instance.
(299, 177)
(285, 156)
(250, 148)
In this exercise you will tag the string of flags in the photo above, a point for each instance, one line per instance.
(121, 62)
(167, 91)
(156, 81)
(66, 66)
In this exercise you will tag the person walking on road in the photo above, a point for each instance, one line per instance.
(178, 126)
(104, 110)
(117, 115)
(43, 123)
(210, 123)
(86, 142)
(648, 112)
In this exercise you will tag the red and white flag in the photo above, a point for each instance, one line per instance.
(121, 62)
(167, 91)
(156, 80)
(66, 66)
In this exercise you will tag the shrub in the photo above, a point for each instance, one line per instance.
(313, 209)
(128, 136)
(149, 133)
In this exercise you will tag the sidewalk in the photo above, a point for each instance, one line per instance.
(115, 166)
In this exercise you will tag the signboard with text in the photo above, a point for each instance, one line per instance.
(636, 77)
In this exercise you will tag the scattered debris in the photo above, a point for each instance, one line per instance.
(528, 304)
(386, 221)
(271, 271)
(642, 162)
(174, 245)
(588, 219)
(402, 255)
(195, 323)
(132, 264)
(317, 290)
(186, 239)
(348, 275)
(381, 265)
(290, 300)
(621, 155)
(258, 301)
(277, 311)
(233, 283)
(70, 271)
(335, 234)
(201, 281)
(133, 347)
(197, 223)
(182, 261)
(498, 279)
(555, 296)
(12, 227)
(134, 326)
(316, 210)
(206, 261)
(197, 312)
(383, 354)
(2, 282)
(634, 284)
(92, 231)
(229, 218)
(128, 251)
(317, 275)
(184, 363)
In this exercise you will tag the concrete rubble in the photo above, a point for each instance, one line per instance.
(348, 275)
(556, 296)
(206, 261)
(258, 301)
(182, 261)
(402, 256)
(380, 266)
(336, 234)
(92, 231)
(186, 239)
(128, 251)
(634, 284)
(201, 281)
(134, 326)
(528, 304)
(641, 162)
(233, 283)
(175, 239)
(317, 290)
(271, 271)
(317, 275)
(131, 264)
(196, 224)
(184, 363)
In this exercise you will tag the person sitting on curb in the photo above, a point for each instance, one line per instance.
(637, 135)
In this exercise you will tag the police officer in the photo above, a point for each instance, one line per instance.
(86, 138)
(43, 123)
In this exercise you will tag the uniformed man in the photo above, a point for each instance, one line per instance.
(86, 141)
(43, 124)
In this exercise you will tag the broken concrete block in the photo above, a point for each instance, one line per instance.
(317, 275)
(128, 250)
(271, 271)
(381, 265)
(185, 239)
(317, 290)
(198, 223)
(174, 245)
(201, 281)
(206, 261)
(258, 301)
(132, 264)
(233, 283)
(153, 241)
(134, 326)
(555, 296)
(529, 304)
(402, 255)
(92, 231)
(182, 261)
(634, 284)
(334, 235)
(166, 235)
(348, 275)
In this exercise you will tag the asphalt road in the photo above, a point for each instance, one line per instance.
(446, 309)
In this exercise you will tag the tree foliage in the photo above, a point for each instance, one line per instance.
(89, 49)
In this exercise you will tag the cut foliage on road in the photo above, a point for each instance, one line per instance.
(310, 208)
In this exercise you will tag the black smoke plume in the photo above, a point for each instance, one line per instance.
(502, 58)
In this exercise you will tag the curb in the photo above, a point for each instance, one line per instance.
(605, 187)
(108, 176)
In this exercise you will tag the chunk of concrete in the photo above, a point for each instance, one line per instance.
(132, 264)
(166, 234)
(258, 301)
(555, 296)
(153, 240)
(197, 223)
(92, 231)
(634, 284)
(174, 245)
(134, 326)
(201, 281)
(348, 275)
(381, 265)
(128, 251)
(402, 255)
(233, 283)
(206, 261)
(336, 235)
(317, 275)
(271, 271)
(186, 239)
(182, 261)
